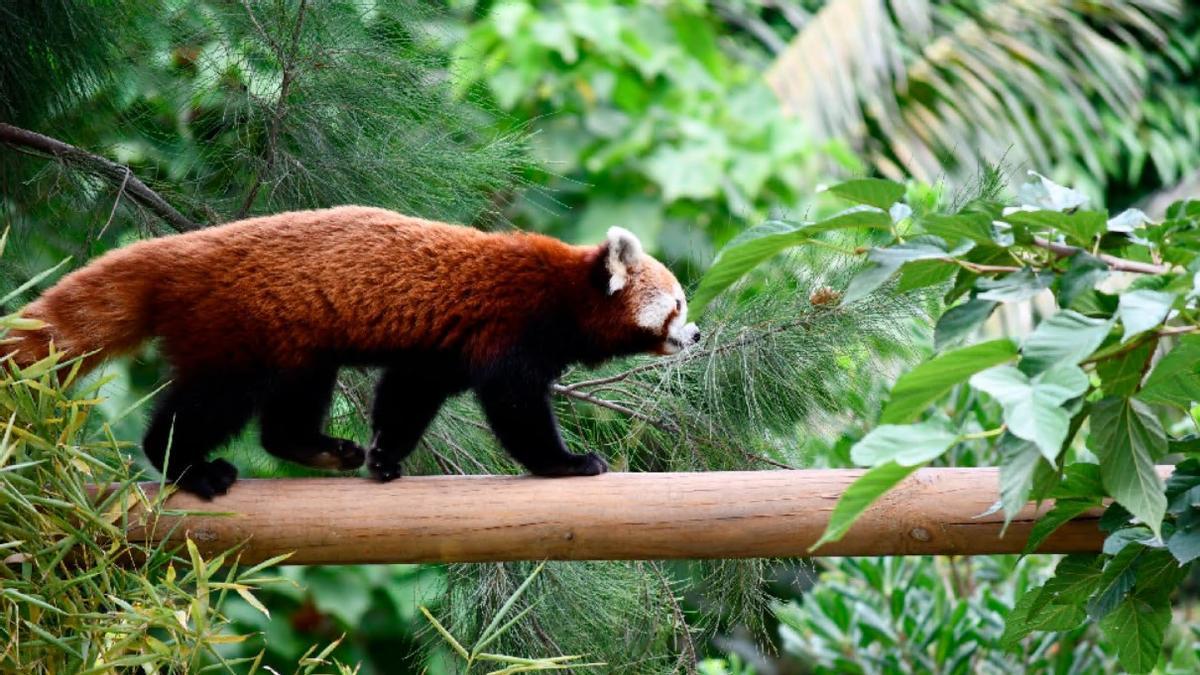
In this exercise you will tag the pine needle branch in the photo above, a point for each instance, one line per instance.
(287, 64)
(116, 173)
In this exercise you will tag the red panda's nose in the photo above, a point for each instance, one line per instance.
(696, 336)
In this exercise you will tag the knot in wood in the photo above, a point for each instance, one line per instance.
(920, 534)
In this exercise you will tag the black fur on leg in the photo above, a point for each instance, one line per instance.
(517, 404)
(408, 397)
(194, 416)
(292, 416)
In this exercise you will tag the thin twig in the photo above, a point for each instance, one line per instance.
(67, 153)
(688, 653)
(684, 357)
(1115, 263)
(287, 61)
(116, 202)
(604, 403)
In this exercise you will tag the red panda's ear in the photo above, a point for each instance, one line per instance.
(622, 253)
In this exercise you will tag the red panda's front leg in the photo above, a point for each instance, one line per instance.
(520, 415)
(407, 399)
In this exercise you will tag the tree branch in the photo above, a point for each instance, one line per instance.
(1115, 263)
(108, 169)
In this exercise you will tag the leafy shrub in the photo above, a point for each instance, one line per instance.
(1081, 409)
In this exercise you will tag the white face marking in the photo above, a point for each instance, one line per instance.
(680, 334)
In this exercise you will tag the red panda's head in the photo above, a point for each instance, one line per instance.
(644, 308)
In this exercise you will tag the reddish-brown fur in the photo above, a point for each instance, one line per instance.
(256, 317)
(280, 290)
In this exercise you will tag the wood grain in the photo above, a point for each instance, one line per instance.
(616, 516)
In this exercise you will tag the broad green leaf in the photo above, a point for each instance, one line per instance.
(974, 226)
(742, 254)
(1175, 381)
(888, 260)
(1013, 287)
(1136, 628)
(907, 444)
(960, 321)
(1121, 375)
(860, 495)
(1018, 463)
(1158, 576)
(1033, 406)
(870, 191)
(1026, 617)
(1127, 221)
(1142, 310)
(1083, 272)
(1118, 540)
(1081, 227)
(1065, 337)
(925, 273)
(919, 387)
(1128, 438)
(1042, 193)
(1074, 581)
(859, 216)
(1064, 510)
(1184, 544)
(1115, 581)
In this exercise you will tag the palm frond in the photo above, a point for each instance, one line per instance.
(913, 83)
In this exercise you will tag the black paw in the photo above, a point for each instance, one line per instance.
(383, 467)
(590, 464)
(207, 479)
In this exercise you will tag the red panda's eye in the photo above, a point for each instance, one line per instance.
(678, 305)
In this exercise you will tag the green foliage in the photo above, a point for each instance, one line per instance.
(1104, 92)
(77, 594)
(932, 615)
(646, 117)
(1079, 370)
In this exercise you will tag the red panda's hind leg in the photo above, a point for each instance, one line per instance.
(292, 417)
(195, 416)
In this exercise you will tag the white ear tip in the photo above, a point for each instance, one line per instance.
(623, 236)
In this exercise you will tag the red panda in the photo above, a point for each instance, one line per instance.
(255, 317)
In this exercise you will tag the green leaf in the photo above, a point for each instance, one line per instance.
(1175, 381)
(888, 260)
(907, 445)
(860, 495)
(1128, 438)
(859, 216)
(974, 226)
(1064, 511)
(1027, 617)
(1074, 581)
(1142, 310)
(960, 321)
(1065, 337)
(919, 387)
(1033, 407)
(1018, 463)
(1136, 629)
(870, 191)
(1081, 227)
(1083, 272)
(1184, 544)
(1121, 376)
(1014, 287)
(1116, 580)
(742, 254)
(924, 273)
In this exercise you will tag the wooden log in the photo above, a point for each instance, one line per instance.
(616, 516)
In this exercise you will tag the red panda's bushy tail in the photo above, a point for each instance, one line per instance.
(101, 311)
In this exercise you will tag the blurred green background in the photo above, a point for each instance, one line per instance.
(686, 122)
